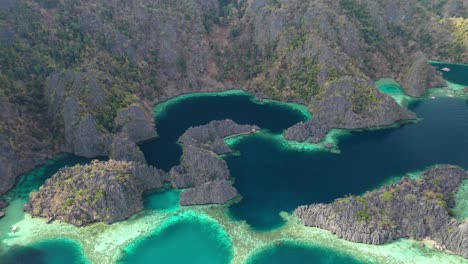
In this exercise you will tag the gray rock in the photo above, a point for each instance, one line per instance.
(348, 103)
(215, 192)
(198, 166)
(136, 122)
(416, 209)
(8, 161)
(122, 148)
(99, 192)
(421, 76)
(87, 141)
(210, 136)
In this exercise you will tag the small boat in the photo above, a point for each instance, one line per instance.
(432, 97)
(15, 228)
(445, 69)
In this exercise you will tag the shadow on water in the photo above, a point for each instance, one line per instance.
(56, 251)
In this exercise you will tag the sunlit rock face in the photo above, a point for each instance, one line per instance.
(415, 208)
(99, 192)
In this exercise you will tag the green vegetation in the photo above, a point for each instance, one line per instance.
(363, 215)
(300, 79)
(368, 24)
(388, 196)
(364, 97)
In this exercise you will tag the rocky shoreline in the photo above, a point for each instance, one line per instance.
(348, 103)
(103, 191)
(412, 208)
(202, 168)
(110, 191)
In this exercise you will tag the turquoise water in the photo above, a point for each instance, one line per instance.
(272, 177)
(188, 238)
(56, 251)
(35, 178)
(291, 253)
(167, 200)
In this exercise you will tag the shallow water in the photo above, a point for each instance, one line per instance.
(187, 238)
(271, 173)
(162, 201)
(292, 253)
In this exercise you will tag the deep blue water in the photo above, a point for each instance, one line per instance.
(272, 178)
(57, 251)
(165, 153)
(457, 74)
(297, 254)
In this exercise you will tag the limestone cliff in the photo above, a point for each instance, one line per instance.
(348, 103)
(411, 208)
(201, 168)
(99, 192)
(76, 73)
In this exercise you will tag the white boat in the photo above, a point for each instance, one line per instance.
(15, 229)
(445, 69)
(432, 97)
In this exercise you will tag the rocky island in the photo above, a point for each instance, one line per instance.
(110, 191)
(99, 192)
(201, 167)
(412, 208)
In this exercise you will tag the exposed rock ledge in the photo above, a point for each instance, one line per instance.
(200, 166)
(99, 192)
(411, 208)
(348, 103)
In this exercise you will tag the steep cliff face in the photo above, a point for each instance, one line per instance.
(81, 72)
(21, 149)
(201, 169)
(348, 103)
(210, 136)
(416, 209)
(98, 192)
(90, 108)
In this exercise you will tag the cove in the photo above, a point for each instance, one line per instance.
(293, 253)
(175, 116)
(56, 251)
(186, 238)
(457, 73)
(271, 177)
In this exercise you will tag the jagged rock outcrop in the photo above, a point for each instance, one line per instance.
(211, 136)
(77, 101)
(198, 166)
(421, 76)
(411, 208)
(20, 149)
(124, 149)
(348, 103)
(99, 192)
(214, 192)
(137, 122)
